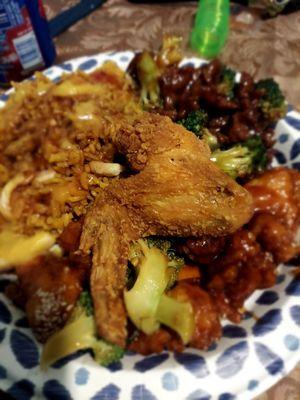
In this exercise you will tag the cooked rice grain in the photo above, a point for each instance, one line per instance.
(61, 128)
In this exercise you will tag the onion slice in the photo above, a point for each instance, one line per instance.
(45, 176)
(5, 195)
(17, 249)
(106, 169)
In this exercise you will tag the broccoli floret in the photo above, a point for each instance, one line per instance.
(272, 102)
(236, 161)
(148, 74)
(142, 299)
(146, 301)
(258, 153)
(242, 159)
(80, 334)
(210, 139)
(160, 242)
(175, 262)
(170, 52)
(226, 82)
(86, 302)
(195, 122)
(106, 353)
(163, 244)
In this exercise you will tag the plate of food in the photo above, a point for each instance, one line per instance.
(149, 214)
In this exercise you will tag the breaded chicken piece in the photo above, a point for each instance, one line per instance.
(176, 191)
(50, 288)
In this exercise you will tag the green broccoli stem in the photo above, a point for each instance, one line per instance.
(142, 299)
(175, 262)
(148, 74)
(79, 334)
(177, 315)
(146, 302)
(243, 158)
(235, 161)
(210, 139)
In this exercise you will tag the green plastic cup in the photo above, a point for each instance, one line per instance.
(211, 27)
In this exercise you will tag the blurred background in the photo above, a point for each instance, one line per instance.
(260, 46)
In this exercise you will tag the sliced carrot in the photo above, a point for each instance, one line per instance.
(189, 272)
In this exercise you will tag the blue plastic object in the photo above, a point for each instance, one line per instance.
(67, 18)
(25, 42)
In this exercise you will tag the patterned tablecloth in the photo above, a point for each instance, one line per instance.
(263, 48)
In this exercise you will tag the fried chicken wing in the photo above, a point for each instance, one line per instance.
(175, 190)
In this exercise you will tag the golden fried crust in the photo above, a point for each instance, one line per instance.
(179, 191)
(109, 273)
(176, 191)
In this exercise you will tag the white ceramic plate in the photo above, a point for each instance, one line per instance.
(249, 358)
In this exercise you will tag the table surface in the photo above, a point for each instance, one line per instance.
(262, 48)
